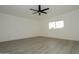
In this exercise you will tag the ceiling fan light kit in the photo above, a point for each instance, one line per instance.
(39, 11)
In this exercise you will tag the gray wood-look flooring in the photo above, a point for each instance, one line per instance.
(39, 45)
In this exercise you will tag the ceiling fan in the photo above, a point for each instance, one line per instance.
(39, 11)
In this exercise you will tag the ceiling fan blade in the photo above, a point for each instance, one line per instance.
(44, 12)
(39, 7)
(33, 9)
(45, 9)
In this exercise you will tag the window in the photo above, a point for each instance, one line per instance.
(56, 25)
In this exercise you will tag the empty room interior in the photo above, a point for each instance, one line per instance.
(39, 29)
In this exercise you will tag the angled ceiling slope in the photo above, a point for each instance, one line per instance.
(23, 10)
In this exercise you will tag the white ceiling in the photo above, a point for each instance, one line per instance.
(23, 10)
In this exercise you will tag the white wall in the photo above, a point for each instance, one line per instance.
(12, 27)
(70, 30)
